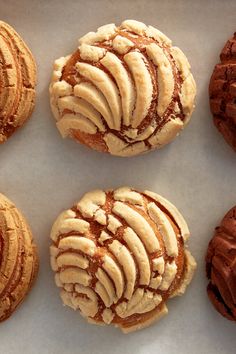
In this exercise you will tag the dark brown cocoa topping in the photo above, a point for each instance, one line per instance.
(221, 267)
(222, 92)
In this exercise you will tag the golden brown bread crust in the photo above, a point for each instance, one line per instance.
(125, 90)
(17, 81)
(119, 255)
(18, 258)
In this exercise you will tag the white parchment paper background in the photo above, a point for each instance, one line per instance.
(44, 174)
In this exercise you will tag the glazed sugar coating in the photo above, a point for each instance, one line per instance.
(118, 255)
(18, 258)
(17, 81)
(125, 90)
(221, 267)
(222, 91)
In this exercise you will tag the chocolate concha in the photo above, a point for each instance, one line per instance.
(222, 92)
(17, 81)
(125, 90)
(118, 255)
(221, 267)
(18, 258)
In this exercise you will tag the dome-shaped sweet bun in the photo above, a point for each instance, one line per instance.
(18, 258)
(222, 93)
(125, 90)
(17, 81)
(221, 266)
(119, 255)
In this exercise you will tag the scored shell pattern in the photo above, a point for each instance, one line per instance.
(118, 255)
(18, 258)
(17, 81)
(126, 90)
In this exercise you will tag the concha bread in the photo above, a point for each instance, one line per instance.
(118, 255)
(126, 90)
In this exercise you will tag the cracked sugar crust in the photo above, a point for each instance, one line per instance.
(222, 93)
(17, 81)
(118, 255)
(126, 90)
(221, 267)
(18, 258)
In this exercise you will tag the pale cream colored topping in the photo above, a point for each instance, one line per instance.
(115, 273)
(141, 302)
(101, 291)
(104, 236)
(70, 122)
(164, 75)
(161, 312)
(67, 299)
(90, 202)
(187, 96)
(139, 225)
(96, 99)
(129, 279)
(103, 33)
(126, 261)
(139, 253)
(165, 228)
(131, 133)
(72, 259)
(78, 105)
(113, 224)
(168, 275)
(107, 283)
(78, 243)
(58, 281)
(132, 150)
(125, 194)
(100, 217)
(120, 91)
(173, 211)
(88, 306)
(62, 88)
(53, 264)
(124, 83)
(181, 62)
(107, 316)
(158, 35)
(143, 84)
(75, 276)
(114, 144)
(91, 53)
(158, 264)
(107, 87)
(134, 26)
(122, 44)
(67, 222)
(145, 134)
(68, 287)
(191, 266)
(155, 282)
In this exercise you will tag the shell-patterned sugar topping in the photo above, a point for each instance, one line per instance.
(18, 258)
(119, 255)
(17, 81)
(126, 90)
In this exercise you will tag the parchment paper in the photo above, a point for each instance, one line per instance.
(44, 174)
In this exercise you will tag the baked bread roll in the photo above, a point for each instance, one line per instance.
(222, 92)
(18, 258)
(119, 255)
(125, 90)
(17, 81)
(221, 267)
